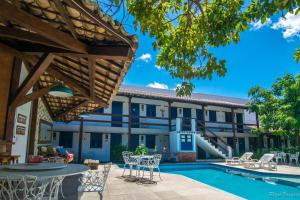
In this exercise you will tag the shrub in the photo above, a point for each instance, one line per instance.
(117, 153)
(141, 150)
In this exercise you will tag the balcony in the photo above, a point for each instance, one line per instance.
(162, 123)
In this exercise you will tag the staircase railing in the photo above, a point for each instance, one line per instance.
(219, 146)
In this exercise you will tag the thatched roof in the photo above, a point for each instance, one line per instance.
(92, 52)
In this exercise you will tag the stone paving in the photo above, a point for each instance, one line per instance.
(172, 187)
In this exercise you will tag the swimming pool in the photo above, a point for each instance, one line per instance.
(246, 185)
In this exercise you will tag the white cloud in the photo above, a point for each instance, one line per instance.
(258, 25)
(158, 67)
(177, 85)
(290, 24)
(157, 85)
(146, 57)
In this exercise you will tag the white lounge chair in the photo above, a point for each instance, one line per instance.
(239, 160)
(294, 157)
(265, 162)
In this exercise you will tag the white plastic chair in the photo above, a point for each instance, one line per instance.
(294, 157)
(280, 157)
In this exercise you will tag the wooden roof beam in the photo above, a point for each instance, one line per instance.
(62, 10)
(103, 52)
(98, 71)
(55, 72)
(18, 34)
(92, 71)
(36, 94)
(32, 77)
(52, 70)
(10, 12)
(82, 103)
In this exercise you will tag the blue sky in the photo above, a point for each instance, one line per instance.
(264, 53)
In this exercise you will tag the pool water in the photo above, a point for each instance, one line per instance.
(245, 187)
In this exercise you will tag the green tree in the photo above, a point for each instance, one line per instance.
(279, 107)
(185, 31)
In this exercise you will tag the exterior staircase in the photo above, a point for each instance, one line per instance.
(218, 148)
(208, 147)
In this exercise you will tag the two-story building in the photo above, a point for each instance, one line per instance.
(186, 128)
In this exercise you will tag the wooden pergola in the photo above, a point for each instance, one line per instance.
(63, 41)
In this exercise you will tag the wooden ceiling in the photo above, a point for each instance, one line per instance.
(67, 41)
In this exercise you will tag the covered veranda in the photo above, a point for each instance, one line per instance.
(58, 58)
(50, 45)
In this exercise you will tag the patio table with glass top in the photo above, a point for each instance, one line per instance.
(39, 180)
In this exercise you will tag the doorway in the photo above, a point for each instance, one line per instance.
(115, 140)
(135, 111)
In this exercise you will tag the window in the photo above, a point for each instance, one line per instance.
(228, 117)
(99, 110)
(150, 141)
(212, 116)
(66, 139)
(96, 140)
(173, 112)
(151, 111)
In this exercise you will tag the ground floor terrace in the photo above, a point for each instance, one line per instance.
(99, 142)
(178, 186)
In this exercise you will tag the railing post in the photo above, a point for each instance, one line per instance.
(193, 123)
(178, 124)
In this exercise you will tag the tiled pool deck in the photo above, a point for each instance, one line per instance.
(172, 187)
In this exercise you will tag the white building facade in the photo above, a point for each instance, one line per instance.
(181, 128)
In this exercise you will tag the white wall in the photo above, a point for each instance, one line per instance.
(20, 141)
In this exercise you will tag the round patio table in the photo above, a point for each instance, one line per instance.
(54, 177)
(139, 158)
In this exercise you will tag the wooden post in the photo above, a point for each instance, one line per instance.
(11, 111)
(129, 122)
(80, 140)
(170, 119)
(33, 122)
(233, 131)
(203, 118)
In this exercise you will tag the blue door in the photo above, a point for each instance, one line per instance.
(199, 119)
(115, 140)
(135, 112)
(117, 111)
(241, 145)
(186, 141)
(134, 141)
(240, 122)
(186, 121)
